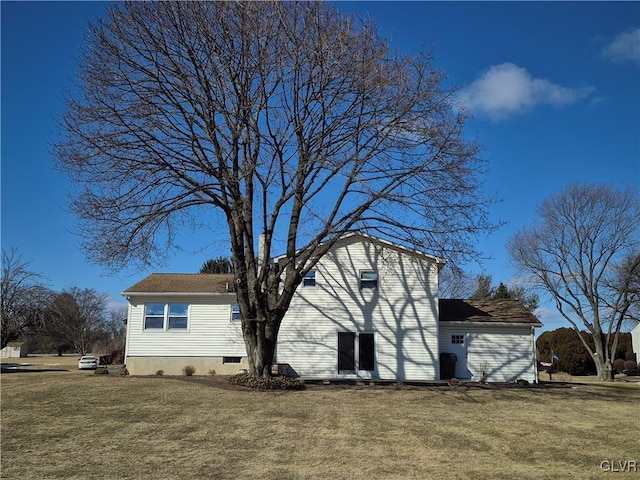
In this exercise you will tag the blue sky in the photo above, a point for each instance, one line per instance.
(554, 90)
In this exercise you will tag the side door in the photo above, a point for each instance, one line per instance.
(458, 344)
(356, 353)
(346, 352)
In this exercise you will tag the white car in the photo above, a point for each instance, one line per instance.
(87, 362)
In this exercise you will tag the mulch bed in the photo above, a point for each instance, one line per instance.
(222, 382)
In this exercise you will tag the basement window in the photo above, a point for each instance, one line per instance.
(231, 360)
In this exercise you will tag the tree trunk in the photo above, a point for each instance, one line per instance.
(601, 356)
(260, 339)
(604, 368)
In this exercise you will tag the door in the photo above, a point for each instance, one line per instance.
(366, 352)
(458, 344)
(346, 352)
(354, 346)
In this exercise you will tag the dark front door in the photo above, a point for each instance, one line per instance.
(346, 351)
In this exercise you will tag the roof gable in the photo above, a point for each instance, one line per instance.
(395, 246)
(358, 236)
(486, 311)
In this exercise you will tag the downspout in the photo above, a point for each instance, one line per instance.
(127, 330)
(534, 355)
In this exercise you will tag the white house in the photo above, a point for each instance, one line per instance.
(369, 310)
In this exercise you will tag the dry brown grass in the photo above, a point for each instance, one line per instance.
(77, 425)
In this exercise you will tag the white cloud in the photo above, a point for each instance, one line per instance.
(506, 90)
(625, 47)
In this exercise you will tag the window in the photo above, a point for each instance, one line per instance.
(178, 315)
(161, 316)
(457, 339)
(231, 359)
(154, 316)
(309, 279)
(235, 312)
(368, 279)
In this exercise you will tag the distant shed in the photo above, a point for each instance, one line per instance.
(15, 350)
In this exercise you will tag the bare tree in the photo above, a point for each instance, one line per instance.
(289, 120)
(110, 335)
(77, 316)
(584, 251)
(454, 282)
(22, 298)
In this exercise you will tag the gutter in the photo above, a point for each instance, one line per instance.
(128, 295)
(462, 323)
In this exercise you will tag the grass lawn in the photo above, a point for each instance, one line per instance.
(77, 425)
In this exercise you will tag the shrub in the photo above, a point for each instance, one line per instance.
(454, 381)
(574, 357)
(160, 372)
(124, 371)
(618, 365)
(630, 367)
(212, 372)
(101, 371)
(267, 383)
(521, 382)
(189, 370)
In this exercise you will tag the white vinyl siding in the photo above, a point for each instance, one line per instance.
(401, 313)
(506, 355)
(210, 333)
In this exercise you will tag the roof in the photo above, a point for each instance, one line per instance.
(184, 283)
(486, 311)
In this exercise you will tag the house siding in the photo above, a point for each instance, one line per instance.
(210, 334)
(508, 355)
(401, 313)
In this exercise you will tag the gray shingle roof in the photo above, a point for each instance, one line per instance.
(184, 283)
(489, 311)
